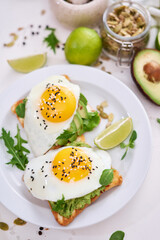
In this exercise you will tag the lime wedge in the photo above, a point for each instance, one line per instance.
(28, 64)
(114, 134)
(157, 41)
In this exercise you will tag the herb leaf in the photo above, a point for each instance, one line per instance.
(122, 145)
(51, 39)
(131, 143)
(20, 109)
(19, 159)
(92, 121)
(133, 136)
(118, 235)
(106, 177)
(158, 120)
(66, 134)
(59, 204)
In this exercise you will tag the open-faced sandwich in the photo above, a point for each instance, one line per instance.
(54, 113)
(70, 179)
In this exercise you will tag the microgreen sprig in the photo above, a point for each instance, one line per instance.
(131, 143)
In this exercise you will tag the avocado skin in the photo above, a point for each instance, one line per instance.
(135, 80)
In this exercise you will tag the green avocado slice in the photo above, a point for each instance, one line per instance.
(143, 68)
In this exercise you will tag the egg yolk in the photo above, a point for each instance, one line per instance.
(57, 104)
(71, 164)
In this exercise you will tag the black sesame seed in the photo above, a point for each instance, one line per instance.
(43, 187)
(41, 228)
(63, 48)
(40, 232)
(37, 33)
(24, 43)
(31, 189)
(55, 174)
(61, 179)
(46, 175)
(32, 33)
(88, 177)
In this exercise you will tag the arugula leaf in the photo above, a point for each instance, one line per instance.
(78, 144)
(83, 99)
(66, 134)
(106, 177)
(118, 235)
(59, 204)
(51, 39)
(19, 159)
(131, 143)
(92, 121)
(158, 120)
(20, 109)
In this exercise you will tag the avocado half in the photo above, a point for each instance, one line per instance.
(145, 70)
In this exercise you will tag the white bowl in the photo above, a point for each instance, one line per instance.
(73, 15)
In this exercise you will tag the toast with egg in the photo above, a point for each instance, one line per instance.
(70, 179)
(54, 113)
(64, 221)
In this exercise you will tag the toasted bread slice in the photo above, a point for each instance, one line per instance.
(21, 121)
(117, 180)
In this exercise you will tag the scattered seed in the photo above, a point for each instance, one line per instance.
(43, 12)
(110, 117)
(104, 115)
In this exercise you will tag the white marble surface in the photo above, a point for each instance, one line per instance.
(139, 219)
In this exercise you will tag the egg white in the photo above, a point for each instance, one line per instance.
(46, 186)
(41, 140)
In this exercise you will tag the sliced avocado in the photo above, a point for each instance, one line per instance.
(83, 99)
(62, 142)
(145, 69)
(82, 110)
(73, 128)
(79, 123)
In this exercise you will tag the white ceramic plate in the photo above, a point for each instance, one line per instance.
(97, 86)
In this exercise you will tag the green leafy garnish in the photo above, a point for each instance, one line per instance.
(78, 144)
(59, 204)
(158, 120)
(66, 134)
(92, 121)
(51, 39)
(18, 152)
(106, 177)
(83, 99)
(118, 235)
(131, 143)
(20, 109)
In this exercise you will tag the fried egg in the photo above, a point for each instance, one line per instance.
(50, 108)
(69, 171)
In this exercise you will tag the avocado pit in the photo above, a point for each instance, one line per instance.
(152, 70)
